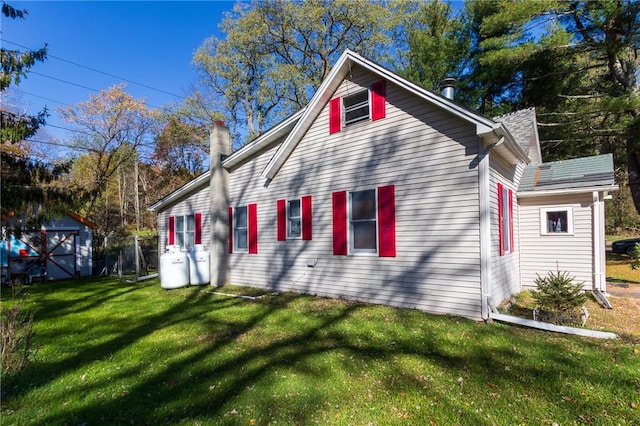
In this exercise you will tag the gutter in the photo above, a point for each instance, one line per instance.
(568, 191)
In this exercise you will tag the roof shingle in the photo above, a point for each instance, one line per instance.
(568, 174)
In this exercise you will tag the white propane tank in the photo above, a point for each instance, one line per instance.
(199, 265)
(174, 268)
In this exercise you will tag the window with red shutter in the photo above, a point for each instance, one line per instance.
(359, 106)
(198, 228)
(231, 229)
(365, 222)
(306, 218)
(378, 100)
(387, 221)
(505, 219)
(281, 223)
(172, 230)
(339, 201)
(335, 115)
(253, 228)
(294, 219)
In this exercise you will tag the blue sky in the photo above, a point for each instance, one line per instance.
(147, 42)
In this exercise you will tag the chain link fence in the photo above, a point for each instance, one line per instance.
(130, 258)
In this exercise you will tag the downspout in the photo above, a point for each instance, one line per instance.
(599, 255)
(484, 192)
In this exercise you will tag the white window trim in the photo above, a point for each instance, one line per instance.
(350, 240)
(344, 109)
(235, 234)
(185, 231)
(287, 216)
(543, 220)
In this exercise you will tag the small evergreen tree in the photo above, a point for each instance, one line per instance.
(558, 298)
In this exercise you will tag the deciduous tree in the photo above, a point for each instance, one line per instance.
(113, 127)
(276, 53)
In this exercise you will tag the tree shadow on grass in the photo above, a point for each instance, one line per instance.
(280, 357)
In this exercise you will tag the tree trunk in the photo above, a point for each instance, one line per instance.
(633, 166)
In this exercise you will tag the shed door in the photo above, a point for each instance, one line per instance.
(61, 254)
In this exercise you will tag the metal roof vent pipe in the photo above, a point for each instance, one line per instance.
(448, 86)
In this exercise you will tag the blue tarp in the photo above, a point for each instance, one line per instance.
(16, 249)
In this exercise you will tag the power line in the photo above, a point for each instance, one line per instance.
(83, 87)
(41, 97)
(98, 71)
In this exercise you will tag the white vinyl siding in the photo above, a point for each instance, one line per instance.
(505, 270)
(196, 202)
(542, 253)
(427, 155)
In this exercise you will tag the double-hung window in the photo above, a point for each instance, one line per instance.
(243, 229)
(294, 219)
(364, 222)
(185, 231)
(240, 229)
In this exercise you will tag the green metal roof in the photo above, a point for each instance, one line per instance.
(583, 172)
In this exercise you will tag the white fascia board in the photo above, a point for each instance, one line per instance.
(589, 189)
(256, 146)
(508, 148)
(332, 82)
(179, 193)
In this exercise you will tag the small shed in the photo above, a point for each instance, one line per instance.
(61, 249)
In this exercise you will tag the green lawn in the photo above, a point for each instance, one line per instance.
(113, 353)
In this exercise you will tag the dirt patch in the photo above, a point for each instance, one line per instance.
(623, 319)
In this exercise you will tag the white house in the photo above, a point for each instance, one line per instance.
(382, 191)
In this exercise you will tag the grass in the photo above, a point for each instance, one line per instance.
(619, 268)
(113, 353)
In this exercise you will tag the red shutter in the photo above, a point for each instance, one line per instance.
(281, 207)
(335, 115)
(230, 229)
(253, 228)
(172, 230)
(339, 223)
(500, 219)
(306, 217)
(387, 221)
(198, 231)
(379, 100)
(511, 248)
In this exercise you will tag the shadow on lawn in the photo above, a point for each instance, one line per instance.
(223, 366)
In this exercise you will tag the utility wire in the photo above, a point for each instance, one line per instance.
(96, 70)
(83, 87)
(41, 97)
